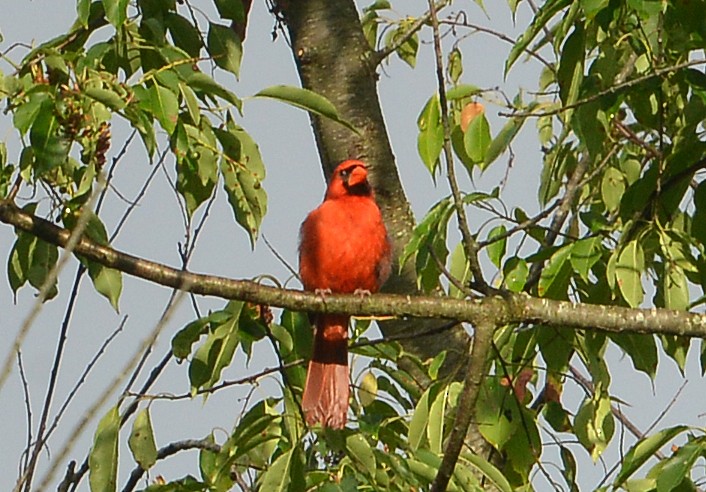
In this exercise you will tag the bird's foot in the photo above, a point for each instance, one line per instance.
(322, 293)
(362, 292)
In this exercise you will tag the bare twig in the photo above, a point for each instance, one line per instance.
(414, 28)
(82, 379)
(609, 91)
(167, 451)
(469, 243)
(28, 409)
(105, 394)
(502, 36)
(71, 241)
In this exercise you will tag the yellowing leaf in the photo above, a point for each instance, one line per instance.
(141, 440)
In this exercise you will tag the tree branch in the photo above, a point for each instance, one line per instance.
(466, 407)
(506, 309)
(469, 243)
(167, 451)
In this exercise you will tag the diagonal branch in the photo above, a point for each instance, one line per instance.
(169, 450)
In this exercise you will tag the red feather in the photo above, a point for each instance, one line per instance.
(343, 248)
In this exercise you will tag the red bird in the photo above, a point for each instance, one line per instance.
(343, 248)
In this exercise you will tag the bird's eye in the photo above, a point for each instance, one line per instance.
(345, 173)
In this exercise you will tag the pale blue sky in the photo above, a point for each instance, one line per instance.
(294, 184)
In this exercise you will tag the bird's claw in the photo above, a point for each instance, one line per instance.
(362, 292)
(322, 293)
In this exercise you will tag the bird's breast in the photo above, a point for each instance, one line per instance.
(343, 246)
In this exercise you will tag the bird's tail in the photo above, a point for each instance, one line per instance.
(326, 391)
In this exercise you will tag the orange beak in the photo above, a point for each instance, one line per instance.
(359, 175)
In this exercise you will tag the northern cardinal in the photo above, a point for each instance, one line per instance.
(344, 248)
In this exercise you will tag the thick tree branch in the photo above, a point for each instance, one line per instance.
(465, 409)
(508, 309)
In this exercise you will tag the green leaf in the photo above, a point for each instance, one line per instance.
(435, 423)
(367, 388)
(455, 65)
(43, 259)
(420, 418)
(231, 9)
(459, 269)
(83, 9)
(497, 249)
(110, 98)
(246, 195)
(488, 470)
(515, 273)
(675, 288)
(592, 7)
(103, 458)
(107, 281)
(307, 100)
(192, 105)
(642, 349)
(407, 51)
(570, 71)
(554, 280)
(584, 254)
(628, 273)
(545, 13)
(216, 353)
(277, 477)
(165, 107)
(25, 114)
(462, 91)
(225, 47)
(477, 138)
(612, 188)
(141, 440)
(115, 11)
(502, 140)
(50, 148)
(362, 453)
(430, 140)
(197, 163)
(643, 450)
(429, 240)
(672, 472)
(204, 84)
(184, 34)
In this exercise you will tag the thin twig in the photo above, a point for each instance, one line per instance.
(53, 375)
(468, 241)
(280, 257)
(167, 451)
(497, 34)
(47, 286)
(607, 92)
(28, 408)
(573, 187)
(105, 395)
(380, 55)
(84, 375)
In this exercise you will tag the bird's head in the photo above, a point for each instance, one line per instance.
(349, 178)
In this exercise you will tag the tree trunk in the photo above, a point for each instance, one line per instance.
(335, 60)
